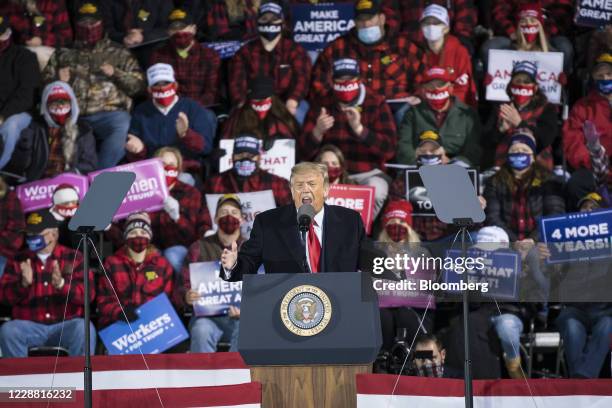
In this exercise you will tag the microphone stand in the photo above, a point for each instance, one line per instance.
(303, 230)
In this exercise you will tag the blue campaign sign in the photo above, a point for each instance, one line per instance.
(502, 269)
(316, 25)
(157, 329)
(593, 13)
(216, 295)
(225, 49)
(578, 236)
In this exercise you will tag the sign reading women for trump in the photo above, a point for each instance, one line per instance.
(252, 204)
(38, 194)
(501, 272)
(157, 329)
(316, 25)
(278, 160)
(148, 191)
(593, 13)
(358, 198)
(578, 236)
(550, 66)
(216, 295)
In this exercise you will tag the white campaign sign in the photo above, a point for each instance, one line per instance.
(550, 65)
(252, 204)
(278, 160)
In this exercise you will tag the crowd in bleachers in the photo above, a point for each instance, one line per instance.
(87, 85)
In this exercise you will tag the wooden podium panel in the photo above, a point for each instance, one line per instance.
(322, 386)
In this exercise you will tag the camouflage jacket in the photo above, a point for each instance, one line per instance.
(95, 91)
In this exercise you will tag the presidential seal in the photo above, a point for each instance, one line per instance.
(306, 310)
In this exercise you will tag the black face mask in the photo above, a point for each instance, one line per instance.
(269, 31)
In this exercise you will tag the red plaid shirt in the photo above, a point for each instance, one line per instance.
(166, 232)
(134, 283)
(228, 182)
(288, 63)
(197, 75)
(522, 221)
(391, 68)
(52, 26)
(462, 14)
(11, 225)
(370, 150)
(557, 16)
(41, 302)
(217, 25)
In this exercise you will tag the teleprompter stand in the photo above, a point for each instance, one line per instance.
(95, 213)
(455, 201)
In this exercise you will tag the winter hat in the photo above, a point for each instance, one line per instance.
(138, 220)
(65, 193)
(55, 91)
(491, 238)
(521, 137)
(533, 10)
(526, 67)
(401, 209)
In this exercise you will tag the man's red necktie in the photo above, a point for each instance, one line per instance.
(314, 249)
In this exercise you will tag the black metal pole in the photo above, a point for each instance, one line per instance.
(469, 398)
(87, 389)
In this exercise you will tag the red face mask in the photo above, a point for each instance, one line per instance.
(334, 173)
(521, 94)
(438, 98)
(530, 32)
(229, 224)
(137, 244)
(66, 211)
(164, 95)
(89, 34)
(60, 114)
(262, 107)
(347, 91)
(5, 44)
(171, 173)
(396, 232)
(181, 40)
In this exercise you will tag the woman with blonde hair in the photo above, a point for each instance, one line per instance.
(530, 32)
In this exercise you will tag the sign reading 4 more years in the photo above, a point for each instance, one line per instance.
(578, 236)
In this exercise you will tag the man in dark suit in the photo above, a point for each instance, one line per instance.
(275, 238)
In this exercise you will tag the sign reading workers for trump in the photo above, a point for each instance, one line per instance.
(550, 66)
(148, 191)
(216, 295)
(279, 160)
(501, 272)
(252, 204)
(39, 194)
(316, 25)
(358, 198)
(578, 236)
(157, 329)
(416, 193)
(593, 13)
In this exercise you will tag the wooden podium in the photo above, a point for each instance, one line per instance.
(316, 386)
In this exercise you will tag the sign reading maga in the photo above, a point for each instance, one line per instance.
(550, 66)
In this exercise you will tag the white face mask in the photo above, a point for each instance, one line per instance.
(433, 32)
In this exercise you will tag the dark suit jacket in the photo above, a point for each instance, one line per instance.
(276, 243)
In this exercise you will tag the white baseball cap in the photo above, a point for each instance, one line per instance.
(160, 72)
(436, 11)
(491, 238)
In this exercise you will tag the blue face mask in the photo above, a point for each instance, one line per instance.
(369, 35)
(36, 242)
(604, 86)
(519, 161)
(244, 168)
(429, 159)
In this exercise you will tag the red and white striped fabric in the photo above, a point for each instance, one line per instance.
(374, 391)
(183, 380)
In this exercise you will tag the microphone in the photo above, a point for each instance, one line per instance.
(305, 215)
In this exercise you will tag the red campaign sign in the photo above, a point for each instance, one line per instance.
(358, 198)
